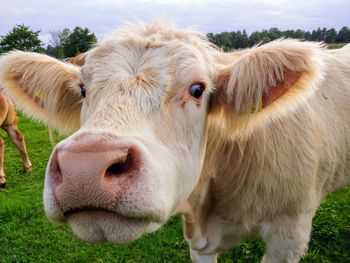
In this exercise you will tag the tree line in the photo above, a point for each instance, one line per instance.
(68, 43)
(62, 43)
(240, 39)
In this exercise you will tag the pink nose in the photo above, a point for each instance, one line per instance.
(92, 172)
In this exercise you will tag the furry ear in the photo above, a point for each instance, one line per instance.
(267, 83)
(45, 88)
(78, 60)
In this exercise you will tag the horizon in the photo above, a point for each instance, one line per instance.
(207, 16)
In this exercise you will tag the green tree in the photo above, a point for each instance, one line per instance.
(323, 34)
(79, 41)
(265, 40)
(343, 35)
(288, 33)
(264, 36)
(57, 40)
(224, 40)
(274, 33)
(331, 35)
(300, 34)
(21, 37)
(316, 35)
(254, 38)
(240, 40)
(307, 35)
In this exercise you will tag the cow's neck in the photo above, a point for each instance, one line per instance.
(245, 175)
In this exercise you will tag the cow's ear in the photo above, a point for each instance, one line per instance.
(45, 88)
(78, 60)
(266, 83)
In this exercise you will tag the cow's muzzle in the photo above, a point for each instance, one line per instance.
(100, 186)
(93, 172)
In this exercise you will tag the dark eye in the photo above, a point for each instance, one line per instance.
(196, 90)
(82, 90)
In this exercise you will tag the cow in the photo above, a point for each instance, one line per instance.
(78, 60)
(162, 122)
(8, 122)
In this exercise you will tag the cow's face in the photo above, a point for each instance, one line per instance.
(138, 152)
(142, 100)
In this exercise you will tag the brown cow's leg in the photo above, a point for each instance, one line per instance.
(10, 126)
(18, 140)
(2, 174)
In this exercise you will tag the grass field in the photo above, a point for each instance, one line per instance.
(336, 45)
(27, 236)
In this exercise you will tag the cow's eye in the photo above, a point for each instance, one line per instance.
(83, 90)
(196, 90)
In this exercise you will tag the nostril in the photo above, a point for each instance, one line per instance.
(120, 167)
(55, 170)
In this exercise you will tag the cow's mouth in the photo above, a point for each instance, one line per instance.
(91, 209)
(99, 225)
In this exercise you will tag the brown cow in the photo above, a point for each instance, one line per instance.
(8, 122)
(241, 144)
(78, 60)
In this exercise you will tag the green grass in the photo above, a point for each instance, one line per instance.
(27, 236)
(336, 45)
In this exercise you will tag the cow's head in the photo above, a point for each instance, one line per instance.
(139, 104)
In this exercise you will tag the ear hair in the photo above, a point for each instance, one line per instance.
(45, 88)
(278, 77)
(78, 60)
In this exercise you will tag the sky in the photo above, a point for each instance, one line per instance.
(102, 16)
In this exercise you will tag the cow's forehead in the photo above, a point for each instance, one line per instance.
(126, 60)
(155, 34)
(135, 48)
(145, 71)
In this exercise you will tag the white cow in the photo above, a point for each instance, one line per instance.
(242, 144)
